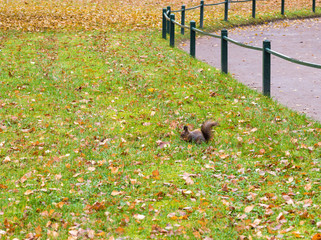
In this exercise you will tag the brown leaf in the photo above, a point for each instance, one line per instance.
(98, 206)
(249, 208)
(28, 192)
(115, 193)
(162, 144)
(188, 180)
(223, 156)
(308, 187)
(6, 159)
(139, 216)
(288, 199)
(58, 176)
(225, 188)
(197, 234)
(53, 234)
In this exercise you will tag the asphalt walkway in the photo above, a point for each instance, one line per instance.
(296, 86)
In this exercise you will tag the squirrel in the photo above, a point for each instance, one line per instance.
(199, 136)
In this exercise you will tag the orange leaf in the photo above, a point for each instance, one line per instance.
(317, 236)
(38, 230)
(155, 173)
(120, 230)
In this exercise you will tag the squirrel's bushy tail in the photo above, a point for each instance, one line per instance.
(207, 129)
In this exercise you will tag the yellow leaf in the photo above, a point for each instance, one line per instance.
(60, 204)
(80, 180)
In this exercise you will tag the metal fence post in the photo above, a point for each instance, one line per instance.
(253, 8)
(282, 7)
(164, 24)
(183, 19)
(202, 14)
(266, 68)
(226, 10)
(169, 13)
(172, 31)
(192, 38)
(313, 6)
(224, 51)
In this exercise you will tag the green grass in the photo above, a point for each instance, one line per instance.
(82, 114)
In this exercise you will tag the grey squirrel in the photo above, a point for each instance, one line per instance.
(199, 136)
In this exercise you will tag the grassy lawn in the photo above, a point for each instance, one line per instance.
(89, 143)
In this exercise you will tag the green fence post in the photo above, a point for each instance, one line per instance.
(253, 8)
(226, 10)
(313, 6)
(183, 19)
(164, 24)
(192, 39)
(224, 51)
(282, 7)
(172, 31)
(266, 68)
(202, 14)
(168, 23)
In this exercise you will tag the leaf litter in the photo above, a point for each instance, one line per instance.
(67, 174)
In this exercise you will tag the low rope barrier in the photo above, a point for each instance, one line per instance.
(242, 44)
(206, 33)
(169, 23)
(304, 63)
(191, 8)
(213, 4)
(183, 26)
(240, 1)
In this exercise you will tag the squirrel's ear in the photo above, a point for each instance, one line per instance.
(185, 128)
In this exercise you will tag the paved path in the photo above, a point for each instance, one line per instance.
(295, 86)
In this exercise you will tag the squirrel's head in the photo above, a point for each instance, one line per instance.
(185, 133)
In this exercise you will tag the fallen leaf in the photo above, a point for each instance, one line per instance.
(317, 236)
(6, 159)
(249, 208)
(155, 173)
(308, 187)
(28, 192)
(60, 204)
(91, 169)
(139, 216)
(288, 199)
(115, 193)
